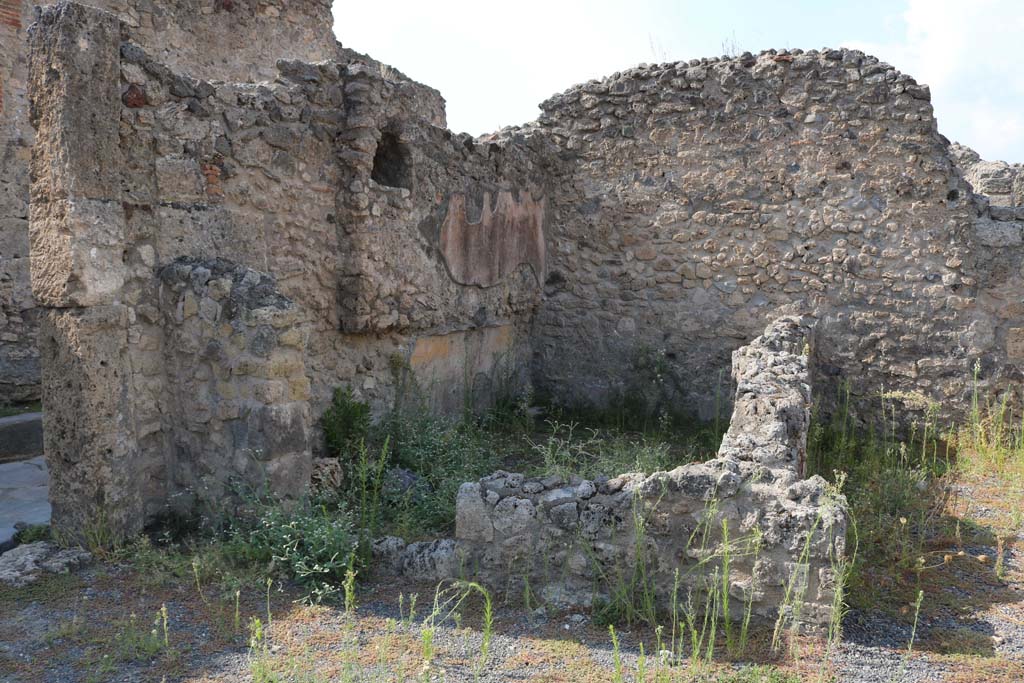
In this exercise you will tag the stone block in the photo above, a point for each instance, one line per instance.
(77, 251)
(472, 515)
(179, 180)
(998, 234)
(74, 84)
(21, 436)
(1015, 343)
(286, 428)
(91, 450)
(288, 475)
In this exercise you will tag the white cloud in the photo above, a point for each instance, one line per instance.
(969, 54)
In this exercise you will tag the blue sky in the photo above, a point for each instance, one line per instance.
(494, 62)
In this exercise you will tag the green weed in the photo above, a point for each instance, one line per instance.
(346, 423)
(310, 544)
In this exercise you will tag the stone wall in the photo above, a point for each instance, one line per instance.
(997, 262)
(228, 40)
(576, 541)
(236, 395)
(709, 196)
(156, 195)
(618, 250)
(225, 39)
(19, 358)
(1001, 183)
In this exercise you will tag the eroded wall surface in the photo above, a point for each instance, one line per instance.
(709, 196)
(228, 40)
(236, 40)
(19, 358)
(159, 199)
(627, 243)
(1001, 183)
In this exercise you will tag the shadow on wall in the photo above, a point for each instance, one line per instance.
(391, 163)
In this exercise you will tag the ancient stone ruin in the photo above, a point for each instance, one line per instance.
(785, 533)
(230, 215)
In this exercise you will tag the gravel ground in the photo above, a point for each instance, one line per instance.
(71, 630)
(874, 647)
(37, 645)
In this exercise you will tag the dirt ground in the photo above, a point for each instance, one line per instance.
(108, 623)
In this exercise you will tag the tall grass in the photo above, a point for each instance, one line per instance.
(991, 442)
(699, 619)
(899, 476)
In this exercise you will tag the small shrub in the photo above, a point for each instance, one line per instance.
(346, 422)
(311, 545)
(444, 453)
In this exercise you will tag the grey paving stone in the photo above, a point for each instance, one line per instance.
(24, 497)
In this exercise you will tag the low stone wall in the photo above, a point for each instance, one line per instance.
(577, 541)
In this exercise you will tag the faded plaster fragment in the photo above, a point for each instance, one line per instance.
(510, 233)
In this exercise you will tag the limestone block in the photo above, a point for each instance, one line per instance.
(77, 252)
(74, 87)
(90, 446)
(472, 515)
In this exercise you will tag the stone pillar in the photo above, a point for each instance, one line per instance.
(77, 244)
